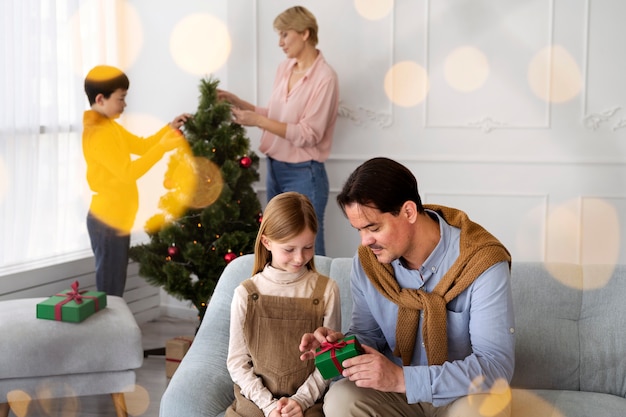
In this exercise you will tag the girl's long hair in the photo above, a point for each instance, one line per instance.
(286, 216)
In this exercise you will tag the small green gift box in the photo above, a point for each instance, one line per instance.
(329, 356)
(72, 305)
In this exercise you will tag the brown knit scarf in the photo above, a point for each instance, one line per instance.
(479, 250)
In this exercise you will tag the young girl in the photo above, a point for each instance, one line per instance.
(284, 299)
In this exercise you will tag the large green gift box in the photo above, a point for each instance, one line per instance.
(72, 305)
(329, 356)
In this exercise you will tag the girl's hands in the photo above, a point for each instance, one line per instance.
(286, 407)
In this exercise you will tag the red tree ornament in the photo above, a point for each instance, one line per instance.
(245, 162)
(229, 257)
(173, 251)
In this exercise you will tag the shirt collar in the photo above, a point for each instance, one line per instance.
(437, 256)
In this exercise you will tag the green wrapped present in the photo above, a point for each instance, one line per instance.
(329, 356)
(72, 305)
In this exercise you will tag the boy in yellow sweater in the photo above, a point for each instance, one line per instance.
(112, 174)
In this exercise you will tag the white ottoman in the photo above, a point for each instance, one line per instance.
(47, 358)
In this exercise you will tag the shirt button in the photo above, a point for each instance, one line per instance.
(422, 315)
(512, 330)
(316, 301)
(423, 345)
(434, 269)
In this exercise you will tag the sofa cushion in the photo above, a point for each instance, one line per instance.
(602, 329)
(547, 351)
(558, 403)
(340, 271)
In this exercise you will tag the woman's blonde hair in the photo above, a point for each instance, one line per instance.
(286, 216)
(300, 19)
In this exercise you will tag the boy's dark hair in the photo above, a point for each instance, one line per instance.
(104, 79)
(383, 184)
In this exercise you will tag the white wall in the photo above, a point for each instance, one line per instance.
(536, 152)
(528, 137)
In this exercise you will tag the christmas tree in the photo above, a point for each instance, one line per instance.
(210, 214)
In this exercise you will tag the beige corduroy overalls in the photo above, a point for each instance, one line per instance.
(273, 329)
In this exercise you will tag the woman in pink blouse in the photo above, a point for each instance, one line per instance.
(299, 121)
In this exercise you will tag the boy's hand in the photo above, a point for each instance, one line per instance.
(180, 120)
(286, 407)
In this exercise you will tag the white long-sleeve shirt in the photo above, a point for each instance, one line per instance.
(272, 281)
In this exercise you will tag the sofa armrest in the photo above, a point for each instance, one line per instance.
(201, 386)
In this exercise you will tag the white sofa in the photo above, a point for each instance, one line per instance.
(570, 342)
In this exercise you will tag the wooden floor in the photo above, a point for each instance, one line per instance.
(150, 383)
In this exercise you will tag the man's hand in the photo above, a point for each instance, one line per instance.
(373, 370)
(286, 407)
(311, 341)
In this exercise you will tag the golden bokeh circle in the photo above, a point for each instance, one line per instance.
(128, 46)
(554, 76)
(19, 401)
(466, 69)
(209, 183)
(373, 9)
(137, 400)
(406, 84)
(200, 44)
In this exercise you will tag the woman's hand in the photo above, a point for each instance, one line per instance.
(228, 96)
(245, 117)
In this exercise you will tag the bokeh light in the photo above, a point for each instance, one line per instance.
(56, 399)
(128, 46)
(528, 403)
(200, 44)
(600, 233)
(498, 399)
(19, 402)
(209, 183)
(563, 225)
(554, 76)
(373, 9)
(180, 181)
(594, 234)
(137, 400)
(466, 69)
(406, 84)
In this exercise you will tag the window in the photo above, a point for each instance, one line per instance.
(46, 46)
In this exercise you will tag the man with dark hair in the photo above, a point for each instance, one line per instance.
(432, 306)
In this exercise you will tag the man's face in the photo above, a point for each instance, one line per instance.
(388, 236)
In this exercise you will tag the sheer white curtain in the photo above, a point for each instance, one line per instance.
(47, 46)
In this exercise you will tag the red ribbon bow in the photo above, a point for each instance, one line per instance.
(332, 347)
(72, 295)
